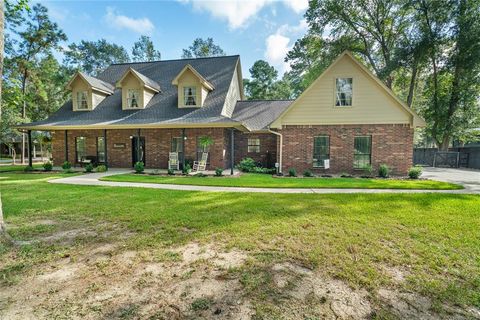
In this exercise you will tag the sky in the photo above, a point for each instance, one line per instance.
(254, 29)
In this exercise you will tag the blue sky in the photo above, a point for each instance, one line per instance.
(261, 29)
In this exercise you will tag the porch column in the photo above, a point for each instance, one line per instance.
(138, 145)
(183, 148)
(105, 145)
(29, 134)
(232, 150)
(66, 145)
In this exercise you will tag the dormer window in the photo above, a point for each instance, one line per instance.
(190, 96)
(132, 100)
(343, 92)
(82, 103)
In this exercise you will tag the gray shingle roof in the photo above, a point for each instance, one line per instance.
(259, 114)
(97, 83)
(163, 108)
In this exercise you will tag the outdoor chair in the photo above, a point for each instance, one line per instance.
(173, 161)
(202, 164)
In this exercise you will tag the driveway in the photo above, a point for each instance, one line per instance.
(469, 178)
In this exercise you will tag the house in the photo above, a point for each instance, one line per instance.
(142, 111)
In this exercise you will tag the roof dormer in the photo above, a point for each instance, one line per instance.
(87, 91)
(193, 88)
(137, 89)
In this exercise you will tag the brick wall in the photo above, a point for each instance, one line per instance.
(268, 148)
(157, 146)
(391, 144)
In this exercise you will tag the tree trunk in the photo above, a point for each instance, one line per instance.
(24, 113)
(413, 80)
(2, 45)
(445, 143)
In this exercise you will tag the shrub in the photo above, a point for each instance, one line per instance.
(102, 168)
(247, 165)
(89, 168)
(367, 170)
(263, 170)
(415, 172)
(187, 168)
(307, 173)
(66, 166)
(48, 166)
(171, 172)
(218, 172)
(28, 169)
(139, 167)
(384, 171)
(292, 172)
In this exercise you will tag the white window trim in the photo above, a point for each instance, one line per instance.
(335, 92)
(138, 92)
(197, 100)
(79, 101)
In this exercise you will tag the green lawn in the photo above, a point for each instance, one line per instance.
(352, 237)
(13, 168)
(268, 181)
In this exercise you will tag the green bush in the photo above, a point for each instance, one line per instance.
(247, 165)
(89, 168)
(28, 169)
(171, 172)
(415, 172)
(66, 166)
(48, 166)
(218, 172)
(383, 171)
(292, 172)
(102, 168)
(187, 168)
(307, 173)
(139, 167)
(263, 170)
(367, 170)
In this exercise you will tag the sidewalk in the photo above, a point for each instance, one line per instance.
(93, 180)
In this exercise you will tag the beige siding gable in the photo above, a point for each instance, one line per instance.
(189, 79)
(234, 94)
(372, 103)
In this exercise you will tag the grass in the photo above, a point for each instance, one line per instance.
(14, 168)
(352, 237)
(268, 181)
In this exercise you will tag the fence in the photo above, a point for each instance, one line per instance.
(467, 157)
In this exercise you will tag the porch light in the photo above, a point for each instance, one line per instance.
(131, 137)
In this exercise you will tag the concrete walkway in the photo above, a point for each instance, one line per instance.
(433, 173)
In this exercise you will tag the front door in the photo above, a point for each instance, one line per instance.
(138, 154)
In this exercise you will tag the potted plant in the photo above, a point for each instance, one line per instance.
(205, 142)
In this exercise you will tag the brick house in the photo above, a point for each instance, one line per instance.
(142, 111)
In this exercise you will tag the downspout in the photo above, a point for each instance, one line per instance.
(281, 148)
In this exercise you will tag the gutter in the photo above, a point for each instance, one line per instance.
(281, 148)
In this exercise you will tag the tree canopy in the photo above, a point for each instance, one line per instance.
(203, 48)
(264, 83)
(144, 50)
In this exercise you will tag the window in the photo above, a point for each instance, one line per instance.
(343, 92)
(101, 149)
(132, 98)
(363, 152)
(81, 148)
(321, 151)
(190, 96)
(254, 145)
(82, 103)
(177, 146)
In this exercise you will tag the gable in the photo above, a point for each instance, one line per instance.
(372, 103)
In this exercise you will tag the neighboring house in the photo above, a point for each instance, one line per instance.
(142, 111)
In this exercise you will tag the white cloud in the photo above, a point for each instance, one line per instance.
(298, 6)
(278, 44)
(118, 21)
(277, 47)
(238, 13)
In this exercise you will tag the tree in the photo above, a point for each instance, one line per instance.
(202, 48)
(452, 89)
(39, 37)
(144, 50)
(264, 83)
(92, 57)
